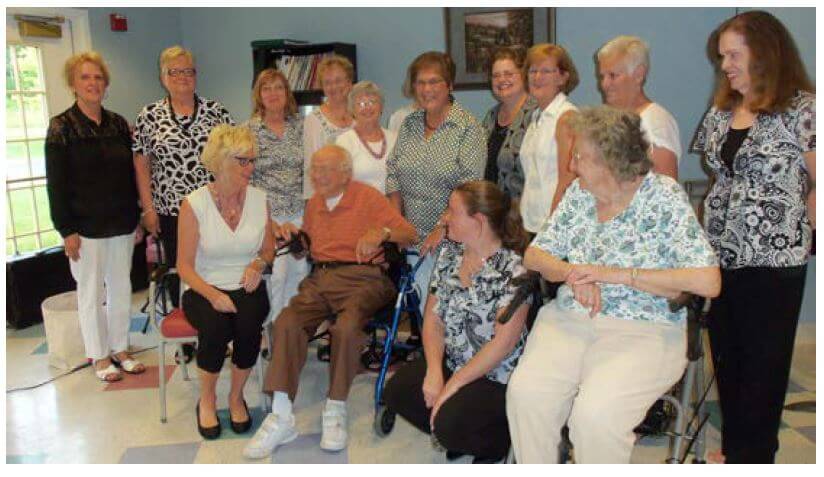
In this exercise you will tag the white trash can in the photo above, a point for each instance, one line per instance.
(65, 341)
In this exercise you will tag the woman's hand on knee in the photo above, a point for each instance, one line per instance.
(447, 392)
(432, 387)
(222, 303)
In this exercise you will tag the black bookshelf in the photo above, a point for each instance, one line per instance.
(266, 53)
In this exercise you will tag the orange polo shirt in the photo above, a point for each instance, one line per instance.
(334, 234)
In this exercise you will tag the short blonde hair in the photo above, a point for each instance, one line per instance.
(632, 51)
(335, 60)
(363, 87)
(172, 53)
(226, 141)
(545, 51)
(270, 75)
(617, 136)
(75, 61)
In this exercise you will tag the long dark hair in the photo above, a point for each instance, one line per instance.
(503, 212)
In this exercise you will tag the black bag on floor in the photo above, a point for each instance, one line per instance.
(31, 279)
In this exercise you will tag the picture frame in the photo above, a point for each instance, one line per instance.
(472, 34)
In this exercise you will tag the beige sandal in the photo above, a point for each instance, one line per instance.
(129, 365)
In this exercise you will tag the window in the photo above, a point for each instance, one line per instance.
(28, 222)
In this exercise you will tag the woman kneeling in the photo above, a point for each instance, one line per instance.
(457, 392)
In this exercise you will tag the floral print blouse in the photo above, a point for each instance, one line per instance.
(756, 213)
(469, 314)
(657, 230)
(279, 168)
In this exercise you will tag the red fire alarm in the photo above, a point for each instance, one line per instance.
(118, 22)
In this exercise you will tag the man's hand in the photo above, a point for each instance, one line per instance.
(433, 240)
(369, 245)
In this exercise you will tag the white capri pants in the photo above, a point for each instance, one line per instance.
(600, 375)
(287, 273)
(104, 293)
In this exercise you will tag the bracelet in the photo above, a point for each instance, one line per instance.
(259, 259)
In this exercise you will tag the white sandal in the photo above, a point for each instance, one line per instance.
(129, 365)
(108, 372)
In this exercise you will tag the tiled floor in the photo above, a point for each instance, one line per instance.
(71, 421)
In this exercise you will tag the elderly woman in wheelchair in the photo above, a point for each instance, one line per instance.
(224, 244)
(457, 390)
(623, 241)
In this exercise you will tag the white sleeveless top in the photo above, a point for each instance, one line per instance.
(223, 254)
(539, 159)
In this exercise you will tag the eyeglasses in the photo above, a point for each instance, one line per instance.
(175, 72)
(543, 71)
(504, 74)
(245, 161)
(432, 83)
(365, 103)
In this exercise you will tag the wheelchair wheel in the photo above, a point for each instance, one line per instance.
(384, 421)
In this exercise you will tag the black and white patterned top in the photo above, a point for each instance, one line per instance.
(318, 131)
(174, 143)
(425, 171)
(510, 172)
(755, 215)
(279, 168)
(469, 314)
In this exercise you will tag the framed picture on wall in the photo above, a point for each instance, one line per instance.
(473, 34)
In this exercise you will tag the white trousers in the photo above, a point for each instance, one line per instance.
(104, 293)
(599, 375)
(287, 273)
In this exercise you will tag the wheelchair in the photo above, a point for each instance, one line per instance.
(681, 413)
(383, 348)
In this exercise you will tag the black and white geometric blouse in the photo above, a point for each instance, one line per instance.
(755, 215)
(425, 171)
(279, 168)
(510, 172)
(468, 314)
(174, 143)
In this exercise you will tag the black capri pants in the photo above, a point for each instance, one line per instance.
(472, 421)
(216, 329)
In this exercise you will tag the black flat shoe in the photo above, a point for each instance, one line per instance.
(241, 427)
(453, 455)
(486, 460)
(208, 433)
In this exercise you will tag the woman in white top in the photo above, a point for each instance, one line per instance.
(333, 118)
(397, 118)
(224, 244)
(623, 64)
(367, 142)
(547, 146)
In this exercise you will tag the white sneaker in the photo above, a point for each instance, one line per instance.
(272, 433)
(334, 434)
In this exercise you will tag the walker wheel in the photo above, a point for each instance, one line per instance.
(384, 421)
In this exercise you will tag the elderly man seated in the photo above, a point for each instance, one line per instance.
(346, 221)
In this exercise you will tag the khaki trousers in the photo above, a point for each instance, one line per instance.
(350, 295)
(600, 375)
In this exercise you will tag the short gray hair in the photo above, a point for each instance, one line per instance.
(633, 50)
(346, 163)
(360, 88)
(617, 136)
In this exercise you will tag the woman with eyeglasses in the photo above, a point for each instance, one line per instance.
(440, 146)
(547, 145)
(226, 242)
(368, 143)
(169, 136)
(333, 117)
(506, 122)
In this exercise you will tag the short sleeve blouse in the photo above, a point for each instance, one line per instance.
(279, 168)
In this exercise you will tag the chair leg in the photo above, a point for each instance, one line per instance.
(182, 360)
(681, 421)
(161, 360)
(264, 397)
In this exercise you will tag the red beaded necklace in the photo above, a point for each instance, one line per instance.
(378, 156)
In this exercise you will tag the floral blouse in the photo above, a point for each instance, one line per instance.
(657, 230)
(279, 168)
(510, 171)
(469, 314)
(425, 171)
(756, 213)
